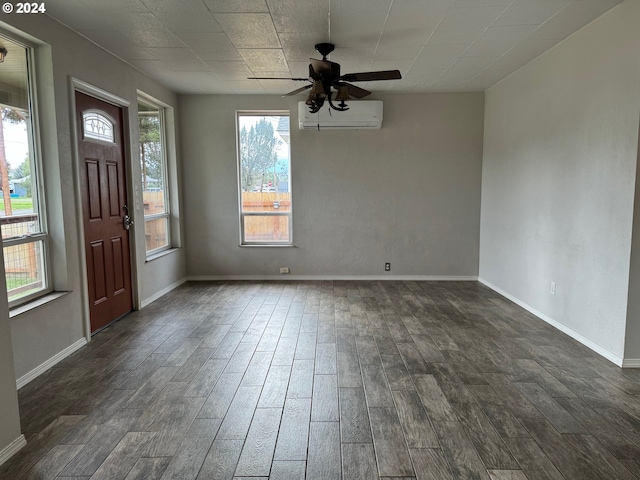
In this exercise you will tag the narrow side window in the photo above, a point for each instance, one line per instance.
(155, 187)
(25, 242)
(264, 178)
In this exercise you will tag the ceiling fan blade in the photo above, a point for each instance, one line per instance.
(279, 78)
(355, 92)
(372, 76)
(298, 90)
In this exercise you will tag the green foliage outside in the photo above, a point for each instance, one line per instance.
(20, 203)
(22, 172)
(150, 150)
(16, 282)
(258, 155)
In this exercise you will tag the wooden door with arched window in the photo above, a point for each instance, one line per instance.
(104, 206)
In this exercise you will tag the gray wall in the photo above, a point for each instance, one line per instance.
(558, 182)
(9, 415)
(408, 194)
(42, 333)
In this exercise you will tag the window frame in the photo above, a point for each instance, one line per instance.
(153, 103)
(241, 214)
(36, 173)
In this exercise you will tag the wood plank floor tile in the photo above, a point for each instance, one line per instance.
(552, 410)
(293, 435)
(359, 461)
(354, 416)
(132, 447)
(417, 428)
(287, 470)
(324, 406)
(459, 451)
(192, 451)
(257, 453)
(484, 437)
(53, 462)
(348, 368)
(221, 460)
(430, 464)
(324, 458)
(238, 418)
(147, 469)
(433, 400)
(403, 380)
(218, 401)
(532, 459)
(391, 450)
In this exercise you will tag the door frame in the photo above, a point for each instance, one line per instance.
(77, 85)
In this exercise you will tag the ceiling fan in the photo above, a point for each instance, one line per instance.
(324, 78)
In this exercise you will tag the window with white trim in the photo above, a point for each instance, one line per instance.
(264, 177)
(25, 243)
(155, 185)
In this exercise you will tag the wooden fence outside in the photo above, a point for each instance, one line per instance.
(272, 228)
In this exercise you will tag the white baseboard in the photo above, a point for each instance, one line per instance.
(631, 363)
(612, 357)
(7, 452)
(162, 292)
(57, 358)
(285, 277)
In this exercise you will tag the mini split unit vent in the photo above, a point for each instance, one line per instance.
(362, 115)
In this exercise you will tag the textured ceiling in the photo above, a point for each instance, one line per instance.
(212, 46)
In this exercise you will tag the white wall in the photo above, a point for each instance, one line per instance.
(42, 333)
(408, 194)
(558, 181)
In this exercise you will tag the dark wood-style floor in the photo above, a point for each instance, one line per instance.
(331, 380)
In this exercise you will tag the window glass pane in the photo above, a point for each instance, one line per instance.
(156, 233)
(264, 163)
(98, 126)
(16, 156)
(152, 159)
(267, 229)
(24, 268)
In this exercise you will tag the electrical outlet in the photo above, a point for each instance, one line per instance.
(552, 289)
(284, 269)
(387, 267)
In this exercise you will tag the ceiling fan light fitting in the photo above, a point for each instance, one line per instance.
(317, 88)
(3, 54)
(343, 93)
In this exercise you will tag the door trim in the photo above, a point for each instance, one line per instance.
(77, 85)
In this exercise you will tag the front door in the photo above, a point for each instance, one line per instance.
(104, 207)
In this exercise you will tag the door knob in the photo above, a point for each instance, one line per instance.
(127, 221)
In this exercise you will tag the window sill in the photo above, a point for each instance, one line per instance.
(275, 245)
(161, 254)
(36, 303)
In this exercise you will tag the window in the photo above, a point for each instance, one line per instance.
(24, 237)
(155, 187)
(265, 178)
(98, 127)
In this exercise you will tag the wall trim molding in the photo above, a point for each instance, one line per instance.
(7, 452)
(631, 363)
(162, 292)
(43, 367)
(284, 277)
(612, 357)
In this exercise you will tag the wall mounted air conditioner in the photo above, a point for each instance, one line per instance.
(362, 115)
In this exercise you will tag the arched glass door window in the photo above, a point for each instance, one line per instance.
(98, 126)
